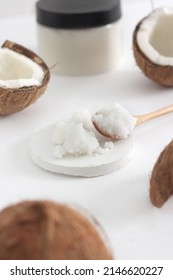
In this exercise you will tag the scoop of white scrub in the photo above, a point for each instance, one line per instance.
(74, 147)
(76, 136)
(114, 122)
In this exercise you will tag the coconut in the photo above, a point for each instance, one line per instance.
(44, 230)
(153, 46)
(161, 182)
(23, 77)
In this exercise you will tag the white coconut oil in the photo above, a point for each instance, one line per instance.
(115, 120)
(76, 136)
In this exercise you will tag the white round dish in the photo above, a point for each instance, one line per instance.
(42, 149)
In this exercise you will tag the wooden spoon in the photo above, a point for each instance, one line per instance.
(139, 120)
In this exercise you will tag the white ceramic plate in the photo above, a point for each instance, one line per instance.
(86, 166)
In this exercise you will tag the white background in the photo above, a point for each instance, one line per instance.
(22, 7)
(120, 201)
(10, 8)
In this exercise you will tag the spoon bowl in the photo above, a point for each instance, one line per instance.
(109, 126)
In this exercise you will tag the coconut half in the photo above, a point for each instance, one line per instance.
(153, 46)
(23, 77)
(161, 182)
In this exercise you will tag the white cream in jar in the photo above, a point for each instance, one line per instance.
(81, 36)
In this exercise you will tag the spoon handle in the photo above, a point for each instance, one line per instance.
(155, 114)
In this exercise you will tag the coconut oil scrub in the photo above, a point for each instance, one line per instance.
(72, 146)
(114, 122)
(82, 37)
(76, 136)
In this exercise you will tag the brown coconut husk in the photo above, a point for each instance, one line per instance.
(15, 100)
(44, 230)
(161, 182)
(163, 75)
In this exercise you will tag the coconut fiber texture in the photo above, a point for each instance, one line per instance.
(161, 182)
(162, 75)
(15, 100)
(43, 230)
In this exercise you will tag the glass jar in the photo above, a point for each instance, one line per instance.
(80, 37)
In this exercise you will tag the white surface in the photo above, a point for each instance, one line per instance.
(120, 201)
(86, 166)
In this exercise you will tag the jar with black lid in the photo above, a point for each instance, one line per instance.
(80, 36)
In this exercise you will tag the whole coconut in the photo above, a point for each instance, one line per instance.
(44, 230)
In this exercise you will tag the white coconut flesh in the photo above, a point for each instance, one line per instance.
(155, 36)
(17, 70)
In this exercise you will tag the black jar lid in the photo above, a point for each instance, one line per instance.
(74, 14)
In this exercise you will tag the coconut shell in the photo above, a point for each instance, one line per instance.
(161, 182)
(162, 75)
(15, 100)
(44, 230)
